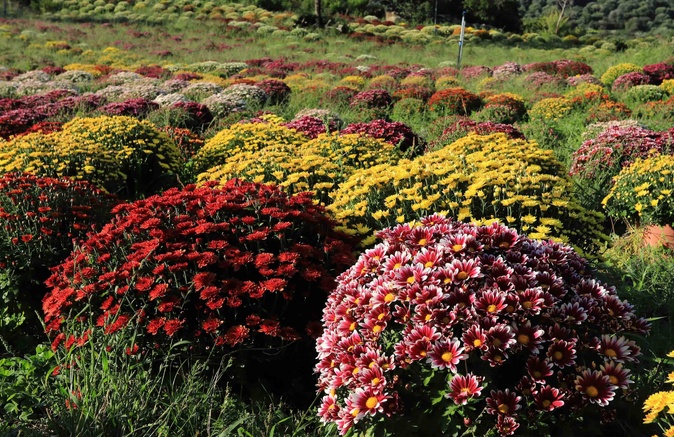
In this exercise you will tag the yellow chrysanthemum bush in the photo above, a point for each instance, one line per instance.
(243, 137)
(320, 165)
(123, 155)
(28, 153)
(642, 192)
(662, 402)
(477, 179)
(550, 109)
(618, 70)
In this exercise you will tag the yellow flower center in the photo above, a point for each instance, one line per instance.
(465, 390)
(352, 326)
(355, 412)
(527, 305)
(523, 338)
(461, 276)
(546, 403)
(410, 279)
(497, 342)
(447, 356)
(558, 355)
(613, 379)
(375, 381)
(537, 374)
(503, 408)
(457, 247)
(592, 391)
(422, 353)
(477, 342)
(491, 308)
(610, 353)
(389, 297)
(429, 264)
(423, 242)
(376, 329)
(371, 402)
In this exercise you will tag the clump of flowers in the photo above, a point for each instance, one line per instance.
(444, 82)
(478, 179)
(462, 126)
(372, 99)
(198, 116)
(628, 80)
(121, 154)
(414, 92)
(456, 101)
(384, 82)
(132, 108)
(643, 192)
(550, 109)
(514, 103)
(659, 402)
(568, 68)
(474, 72)
(187, 141)
(276, 90)
(395, 133)
(244, 137)
(583, 78)
(616, 71)
(355, 82)
(607, 111)
(340, 96)
(408, 107)
(477, 324)
(238, 266)
(659, 72)
(645, 93)
(319, 165)
(312, 127)
(541, 79)
(507, 70)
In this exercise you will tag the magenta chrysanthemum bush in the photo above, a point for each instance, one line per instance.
(238, 266)
(446, 327)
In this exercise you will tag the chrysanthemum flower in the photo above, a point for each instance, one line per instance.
(617, 374)
(614, 348)
(562, 353)
(503, 402)
(595, 387)
(506, 425)
(446, 355)
(462, 388)
(548, 398)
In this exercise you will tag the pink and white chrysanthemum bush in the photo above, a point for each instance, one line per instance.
(451, 327)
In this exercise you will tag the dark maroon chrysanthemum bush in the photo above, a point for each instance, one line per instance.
(447, 327)
(241, 266)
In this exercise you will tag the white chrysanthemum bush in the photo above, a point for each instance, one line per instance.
(449, 328)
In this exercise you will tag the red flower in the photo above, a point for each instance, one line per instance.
(595, 387)
(236, 334)
(462, 388)
(548, 398)
(446, 355)
(562, 353)
(503, 402)
(172, 326)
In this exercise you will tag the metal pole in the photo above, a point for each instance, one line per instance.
(463, 31)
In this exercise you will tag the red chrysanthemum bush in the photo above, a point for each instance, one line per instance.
(454, 101)
(40, 217)
(447, 328)
(396, 133)
(239, 266)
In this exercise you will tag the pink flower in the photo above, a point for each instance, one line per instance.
(446, 355)
(548, 398)
(503, 402)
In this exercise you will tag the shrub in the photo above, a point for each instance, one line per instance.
(406, 108)
(250, 137)
(550, 109)
(618, 70)
(506, 70)
(199, 117)
(187, 142)
(40, 219)
(514, 103)
(642, 193)
(659, 72)
(319, 165)
(456, 101)
(645, 93)
(372, 99)
(132, 108)
(414, 92)
(238, 266)
(668, 85)
(384, 82)
(395, 133)
(444, 82)
(607, 111)
(250, 94)
(583, 78)
(340, 96)
(541, 80)
(462, 126)
(477, 178)
(121, 154)
(312, 127)
(450, 328)
(628, 80)
(277, 91)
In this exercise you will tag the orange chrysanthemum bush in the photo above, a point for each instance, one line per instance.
(239, 267)
(447, 328)
(454, 101)
(39, 219)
